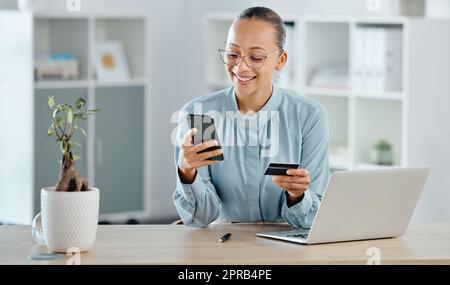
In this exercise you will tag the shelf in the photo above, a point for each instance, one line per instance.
(339, 164)
(339, 92)
(74, 84)
(131, 82)
(63, 35)
(131, 33)
(325, 44)
(50, 15)
(370, 19)
(61, 84)
(396, 96)
(376, 120)
(372, 166)
(323, 91)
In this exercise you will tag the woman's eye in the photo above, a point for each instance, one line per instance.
(231, 55)
(257, 58)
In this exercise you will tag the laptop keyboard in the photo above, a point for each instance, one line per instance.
(298, 235)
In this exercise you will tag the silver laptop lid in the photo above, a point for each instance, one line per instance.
(366, 204)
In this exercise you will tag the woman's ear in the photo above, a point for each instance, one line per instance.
(282, 59)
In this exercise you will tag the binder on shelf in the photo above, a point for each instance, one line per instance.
(377, 58)
(393, 57)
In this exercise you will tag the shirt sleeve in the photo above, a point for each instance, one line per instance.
(198, 203)
(315, 159)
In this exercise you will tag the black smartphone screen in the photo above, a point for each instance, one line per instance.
(206, 131)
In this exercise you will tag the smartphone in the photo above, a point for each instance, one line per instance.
(206, 130)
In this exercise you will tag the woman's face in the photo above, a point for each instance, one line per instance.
(253, 39)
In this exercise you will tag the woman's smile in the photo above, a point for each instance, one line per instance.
(243, 79)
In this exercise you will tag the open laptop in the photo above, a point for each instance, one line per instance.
(362, 204)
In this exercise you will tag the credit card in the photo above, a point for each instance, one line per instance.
(279, 168)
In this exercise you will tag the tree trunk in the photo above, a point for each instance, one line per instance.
(69, 179)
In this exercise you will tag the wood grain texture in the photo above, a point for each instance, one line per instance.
(178, 244)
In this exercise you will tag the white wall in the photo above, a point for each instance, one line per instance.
(16, 109)
(429, 117)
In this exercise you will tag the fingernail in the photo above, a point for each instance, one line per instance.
(288, 171)
(215, 142)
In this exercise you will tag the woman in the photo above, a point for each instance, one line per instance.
(236, 188)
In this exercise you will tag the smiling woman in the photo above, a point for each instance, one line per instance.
(270, 124)
(257, 37)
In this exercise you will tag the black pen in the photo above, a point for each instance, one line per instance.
(225, 237)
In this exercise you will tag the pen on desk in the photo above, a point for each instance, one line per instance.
(225, 237)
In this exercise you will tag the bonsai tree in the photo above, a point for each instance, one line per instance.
(66, 121)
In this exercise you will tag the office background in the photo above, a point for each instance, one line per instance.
(177, 70)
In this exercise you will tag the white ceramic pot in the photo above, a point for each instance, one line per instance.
(68, 220)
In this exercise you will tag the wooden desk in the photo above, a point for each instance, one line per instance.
(171, 244)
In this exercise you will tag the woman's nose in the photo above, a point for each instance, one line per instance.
(241, 66)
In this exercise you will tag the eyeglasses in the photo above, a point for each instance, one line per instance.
(255, 60)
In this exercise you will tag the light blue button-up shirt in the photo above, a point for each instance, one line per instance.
(288, 129)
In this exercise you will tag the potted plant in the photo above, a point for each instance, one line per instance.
(69, 210)
(381, 153)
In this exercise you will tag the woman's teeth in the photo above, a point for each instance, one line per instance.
(245, 78)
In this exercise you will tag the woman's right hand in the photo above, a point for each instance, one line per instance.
(189, 159)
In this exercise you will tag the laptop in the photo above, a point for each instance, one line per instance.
(362, 204)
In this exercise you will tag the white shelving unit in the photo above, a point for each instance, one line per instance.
(357, 119)
(117, 170)
(116, 153)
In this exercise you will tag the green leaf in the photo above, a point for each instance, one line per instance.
(65, 107)
(50, 131)
(82, 130)
(69, 116)
(80, 103)
(77, 144)
(77, 116)
(59, 120)
(56, 111)
(51, 101)
(94, 110)
(76, 157)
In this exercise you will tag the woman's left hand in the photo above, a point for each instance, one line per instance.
(295, 183)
